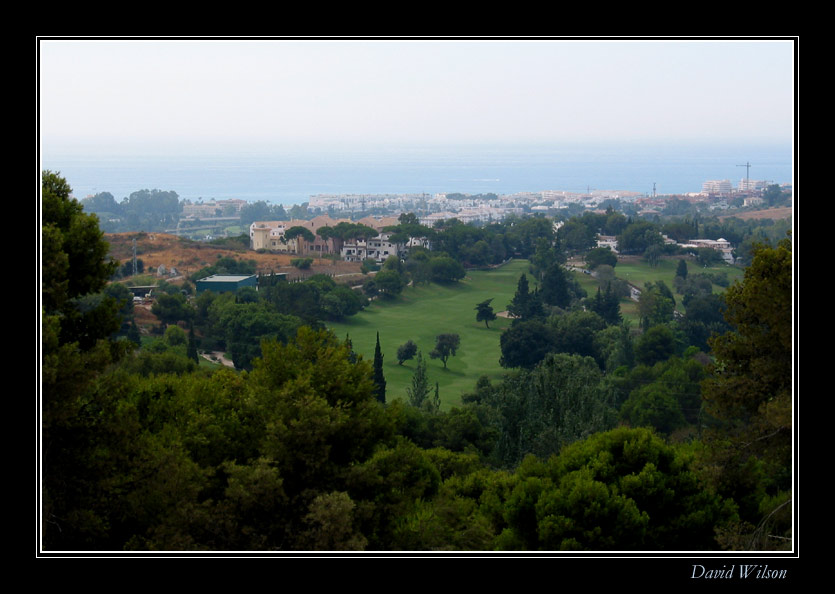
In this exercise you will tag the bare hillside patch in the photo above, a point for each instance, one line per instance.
(188, 256)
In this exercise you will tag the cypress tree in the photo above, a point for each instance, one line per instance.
(192, 345)
(352, 356)
(597, 304)
(379, 378)
(436, 401)
(611, 306)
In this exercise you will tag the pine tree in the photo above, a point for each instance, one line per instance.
(379, 378)
(525, 305)
(406, 351)
(555, 287)
(485, 312)
(518, 306)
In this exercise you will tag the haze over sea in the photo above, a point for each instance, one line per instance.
(291, 175)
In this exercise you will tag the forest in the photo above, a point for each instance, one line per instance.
(673, 435)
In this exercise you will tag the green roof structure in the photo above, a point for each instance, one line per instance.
(220, 283)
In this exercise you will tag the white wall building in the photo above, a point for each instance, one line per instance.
(717, 186)
(376, 248)
(721, 245)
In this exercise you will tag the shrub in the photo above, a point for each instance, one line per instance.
(302, 263)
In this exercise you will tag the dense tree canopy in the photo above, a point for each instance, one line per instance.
(559, 400)
(296, 450)
(600, 255)
(526, 343)
(750, 390)
(389, 283)
(75, 255)
(638, 236)
(77, 323)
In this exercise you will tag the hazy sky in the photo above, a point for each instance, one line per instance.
(217, 93)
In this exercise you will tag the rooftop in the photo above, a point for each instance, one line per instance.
(225, 278)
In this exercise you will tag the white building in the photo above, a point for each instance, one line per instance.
(213, 208)
(270, 235)
(376, 248)
(750, 185)
(609, 241)
(717, 186)
(721, 245)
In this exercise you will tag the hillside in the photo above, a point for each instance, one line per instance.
(768, 213)
(188, 256)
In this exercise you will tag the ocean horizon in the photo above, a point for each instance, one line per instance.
(291, 176)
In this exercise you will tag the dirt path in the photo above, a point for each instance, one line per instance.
(217, 357)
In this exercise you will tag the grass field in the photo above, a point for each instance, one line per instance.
(421, 313)
(638, 272)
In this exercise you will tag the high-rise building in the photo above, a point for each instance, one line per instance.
(717, 186)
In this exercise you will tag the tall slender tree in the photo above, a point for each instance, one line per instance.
(192, 344)
(436, 400)
(379, 378)
(419, 389)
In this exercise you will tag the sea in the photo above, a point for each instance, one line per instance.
(291, 176)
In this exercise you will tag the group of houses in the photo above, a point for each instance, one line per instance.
(272, 236)
(721, 245)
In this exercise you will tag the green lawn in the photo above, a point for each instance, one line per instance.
(421, 313)
(639, 272)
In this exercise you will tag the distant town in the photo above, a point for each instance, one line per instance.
(715, 195)
(266, 224)
(468, 208)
